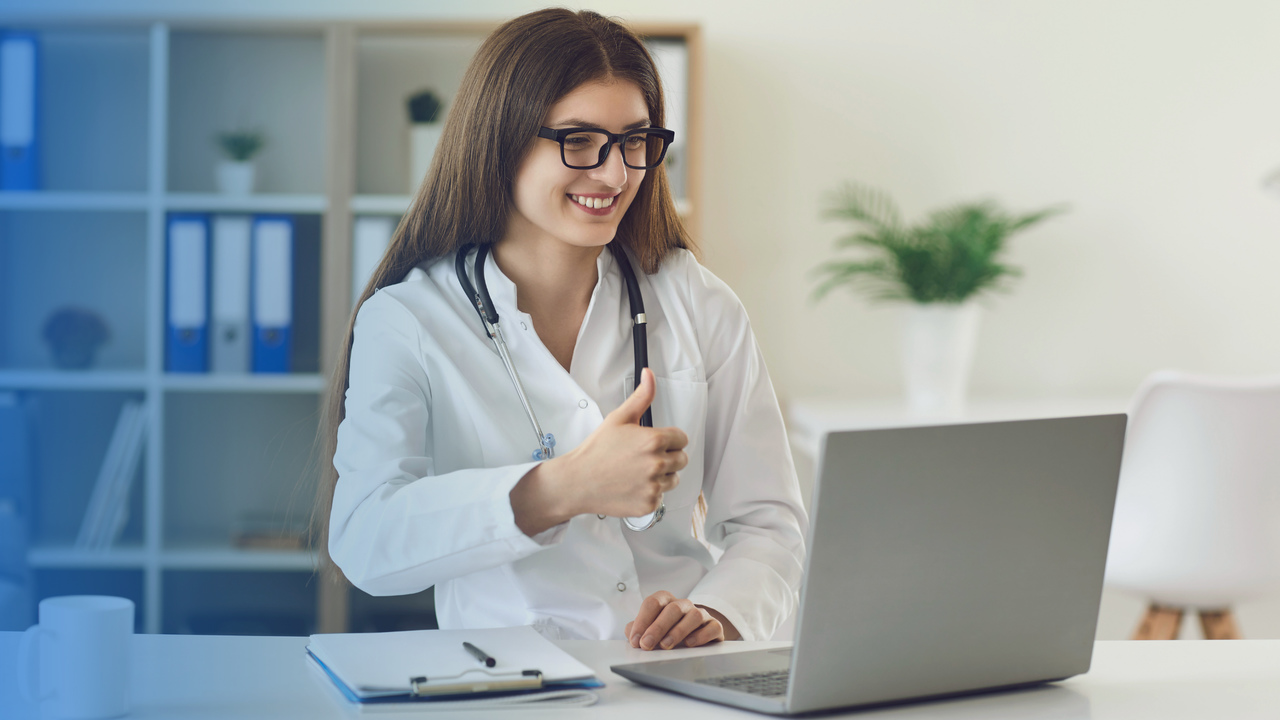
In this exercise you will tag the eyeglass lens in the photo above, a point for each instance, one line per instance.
(590, 148)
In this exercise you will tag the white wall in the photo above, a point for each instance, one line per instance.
(1154, 120)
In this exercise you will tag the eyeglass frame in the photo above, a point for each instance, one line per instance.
(559, 135)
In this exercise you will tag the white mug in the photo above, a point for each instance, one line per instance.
(76, 661)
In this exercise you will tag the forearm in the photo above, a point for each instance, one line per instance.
(538, 500)
(394, 537)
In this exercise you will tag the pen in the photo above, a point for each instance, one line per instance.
(480, 655)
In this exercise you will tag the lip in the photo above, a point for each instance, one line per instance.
(597, 212)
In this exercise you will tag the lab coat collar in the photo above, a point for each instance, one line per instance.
(502, 290)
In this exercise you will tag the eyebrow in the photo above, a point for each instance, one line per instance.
(575, 122)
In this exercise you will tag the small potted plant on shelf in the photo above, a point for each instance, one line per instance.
(74, 335)
(424, 134)
(939, 267)
(236, 170)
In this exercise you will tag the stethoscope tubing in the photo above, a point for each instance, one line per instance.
(483, 304)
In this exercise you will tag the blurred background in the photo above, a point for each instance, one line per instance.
(1153, 123)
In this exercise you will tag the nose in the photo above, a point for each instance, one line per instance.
(613, 172)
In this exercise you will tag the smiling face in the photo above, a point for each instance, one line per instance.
(581, 208)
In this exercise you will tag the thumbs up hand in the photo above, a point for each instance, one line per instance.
(620, 470)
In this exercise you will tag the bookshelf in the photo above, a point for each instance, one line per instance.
(129, 108)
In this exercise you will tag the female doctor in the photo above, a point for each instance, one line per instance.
(546, 187)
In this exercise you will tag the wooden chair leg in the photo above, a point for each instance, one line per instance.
(1160, 623)
(1219, 625)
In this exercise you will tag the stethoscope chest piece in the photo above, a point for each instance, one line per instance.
(644, 522)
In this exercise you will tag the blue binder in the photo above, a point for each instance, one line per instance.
(187, 309)
(19, 111)
(272, 294)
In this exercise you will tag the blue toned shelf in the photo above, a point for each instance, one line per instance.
(73, 201)
(258, 203)
(127, 557)
(105, 380)
(215, 383)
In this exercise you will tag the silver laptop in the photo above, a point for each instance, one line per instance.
(942, 561)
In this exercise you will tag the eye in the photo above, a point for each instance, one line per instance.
(635, 142)
(577, 141)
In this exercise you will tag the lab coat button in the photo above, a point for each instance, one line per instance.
(622, 587)
(600, 516)
(582, 404)
(523, 326)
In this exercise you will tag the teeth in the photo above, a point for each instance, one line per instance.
(595, 203)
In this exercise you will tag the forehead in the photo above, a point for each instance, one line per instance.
(605, 103)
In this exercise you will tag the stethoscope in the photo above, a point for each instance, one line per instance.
(489, 317)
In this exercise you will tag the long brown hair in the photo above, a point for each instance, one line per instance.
(521, 70)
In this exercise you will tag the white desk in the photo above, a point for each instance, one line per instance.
(177, 677)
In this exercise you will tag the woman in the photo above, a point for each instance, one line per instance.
(552, 152)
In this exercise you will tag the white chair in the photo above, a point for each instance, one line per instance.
(1197, 519)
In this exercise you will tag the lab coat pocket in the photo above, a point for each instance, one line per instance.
(681, 401)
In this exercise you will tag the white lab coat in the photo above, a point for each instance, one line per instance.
(435, 438)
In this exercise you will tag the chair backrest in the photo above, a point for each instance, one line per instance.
(1197, 518)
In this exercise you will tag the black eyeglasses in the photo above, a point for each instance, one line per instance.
(585, 148)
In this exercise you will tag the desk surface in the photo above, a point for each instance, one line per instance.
(206, 677)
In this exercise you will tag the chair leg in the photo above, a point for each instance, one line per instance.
(1219, 625)
(1160, 623)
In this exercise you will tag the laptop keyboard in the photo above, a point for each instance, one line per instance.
(768, 684)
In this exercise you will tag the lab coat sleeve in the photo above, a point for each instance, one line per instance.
(396, 527)
(754, 510)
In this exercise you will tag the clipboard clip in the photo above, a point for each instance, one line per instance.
(477, 680)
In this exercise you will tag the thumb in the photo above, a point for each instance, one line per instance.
(629, 412)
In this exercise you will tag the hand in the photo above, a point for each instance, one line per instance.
(620, 470)
(665, 622)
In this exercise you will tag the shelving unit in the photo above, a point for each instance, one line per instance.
(129, 110)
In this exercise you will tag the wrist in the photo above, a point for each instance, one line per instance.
(730, 632)
(539, 501)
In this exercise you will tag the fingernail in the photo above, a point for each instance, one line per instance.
(648, 642)
(667, 643)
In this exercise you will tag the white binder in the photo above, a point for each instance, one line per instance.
(232, 349)
(371, 236)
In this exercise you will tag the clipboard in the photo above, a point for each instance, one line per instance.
(430, 667)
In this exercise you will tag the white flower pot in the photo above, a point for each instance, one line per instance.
(235, 178)
(423, 138)
(938, 340)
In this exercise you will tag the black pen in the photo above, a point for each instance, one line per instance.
(480, 655)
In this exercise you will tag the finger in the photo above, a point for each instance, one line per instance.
(667, 483)
(692, 620)
(626, 630)
(649, 610)
(631, 409)
(673, 438)
(713, 631)
(667, 619)
(677, 460)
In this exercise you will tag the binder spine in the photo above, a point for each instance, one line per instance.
(19, 111)
(187, 326)
(272, 294)
(231, 347)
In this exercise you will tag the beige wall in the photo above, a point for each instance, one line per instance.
(1154, 120)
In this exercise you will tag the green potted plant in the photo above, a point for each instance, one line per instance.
(424, 134)
(236, 170)
(939, 267)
